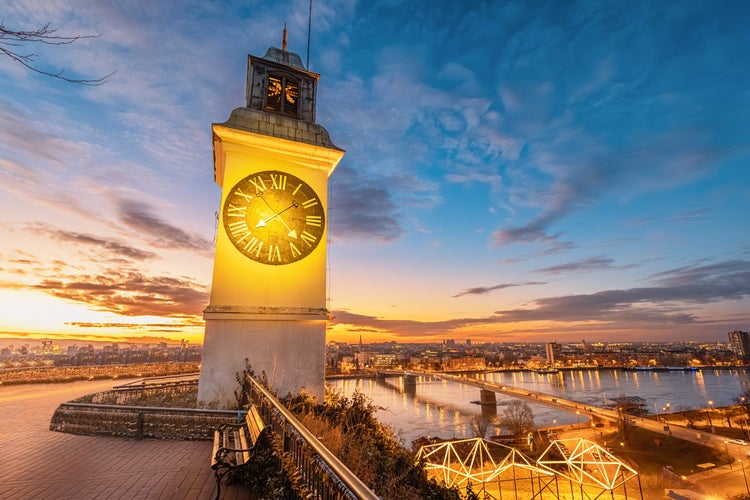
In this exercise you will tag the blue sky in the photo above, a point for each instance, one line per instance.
(514, 170)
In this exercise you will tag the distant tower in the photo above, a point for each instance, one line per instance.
(741, 343)
(268, 293)
(552, 350)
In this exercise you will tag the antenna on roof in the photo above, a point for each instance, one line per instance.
(284, 39)
(309, 24)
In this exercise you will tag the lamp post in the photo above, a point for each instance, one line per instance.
(726, 448)
(742, 463)
(578, 418)
(708, 414)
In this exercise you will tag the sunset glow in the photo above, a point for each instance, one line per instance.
(512, 172)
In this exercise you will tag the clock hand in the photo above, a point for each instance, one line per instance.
(292, 232)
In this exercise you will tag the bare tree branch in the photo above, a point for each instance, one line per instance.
(10, 39)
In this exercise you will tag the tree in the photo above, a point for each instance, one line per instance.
(744, 399)
(518, 418)
(691, 417)
(11, 42)
(480, 425)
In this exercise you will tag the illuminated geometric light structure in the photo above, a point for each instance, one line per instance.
(527, 479)
(490, 468)
(588, 466)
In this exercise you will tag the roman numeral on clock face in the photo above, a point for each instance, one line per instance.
(254, 246)
(238, 227)
(308, 238)
(310, 203)
(257, 181)
(235, 211)
(278, 181)
(246, 196)
(295, 251)
(274, 254)
(313, 220)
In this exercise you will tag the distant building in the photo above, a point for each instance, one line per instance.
(553, 351)
(464, 363)
(384, 361)
(740, 341)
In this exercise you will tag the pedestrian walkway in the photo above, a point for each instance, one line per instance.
(37, 463)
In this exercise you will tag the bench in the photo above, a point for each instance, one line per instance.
(234, 445)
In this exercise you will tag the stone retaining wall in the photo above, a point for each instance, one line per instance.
(139, 422)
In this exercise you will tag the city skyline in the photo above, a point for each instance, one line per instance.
(513, 173)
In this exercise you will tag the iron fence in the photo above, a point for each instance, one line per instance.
(318, 471)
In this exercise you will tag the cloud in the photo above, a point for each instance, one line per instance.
(362, 208)
(670, 303)
(585, 265)
(698, 213)
(24, 133)
(176, 325)
(481, 290)
(115, 247)
(406, 328)
(142, 218)
(129, 293)
(670, 300)
(728, 280)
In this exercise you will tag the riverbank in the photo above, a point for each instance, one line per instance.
(371, 373)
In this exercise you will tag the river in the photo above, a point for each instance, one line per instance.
(434, 407)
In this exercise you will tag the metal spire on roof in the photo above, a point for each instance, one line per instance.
(284, 39)
(309, 27)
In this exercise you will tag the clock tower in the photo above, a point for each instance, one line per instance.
(268, 294)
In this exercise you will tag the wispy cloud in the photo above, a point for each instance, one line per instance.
(585, 265)
(116, 248)
(481, 290)
(671, 299)
(142, 218)
(670, 302)
(363, 209)
(130, 293)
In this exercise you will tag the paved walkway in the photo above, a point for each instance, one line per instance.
(36, 463)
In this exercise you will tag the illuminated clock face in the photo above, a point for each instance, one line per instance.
(273, 217)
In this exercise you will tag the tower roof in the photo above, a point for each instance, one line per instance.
(282, 56)
(277, 55)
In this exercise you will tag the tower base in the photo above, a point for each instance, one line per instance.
(291, 353)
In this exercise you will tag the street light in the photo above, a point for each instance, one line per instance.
(708, 414)
(726, 448)
(742, 463)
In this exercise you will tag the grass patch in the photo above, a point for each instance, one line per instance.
(652, 451)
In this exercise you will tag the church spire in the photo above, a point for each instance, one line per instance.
(284, 39)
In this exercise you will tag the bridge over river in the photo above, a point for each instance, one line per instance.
(488, 391)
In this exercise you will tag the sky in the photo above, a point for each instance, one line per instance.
(514, 171)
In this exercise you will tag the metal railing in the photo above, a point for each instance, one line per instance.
(322, 475)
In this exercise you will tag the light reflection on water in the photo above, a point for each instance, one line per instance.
(433, 407)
